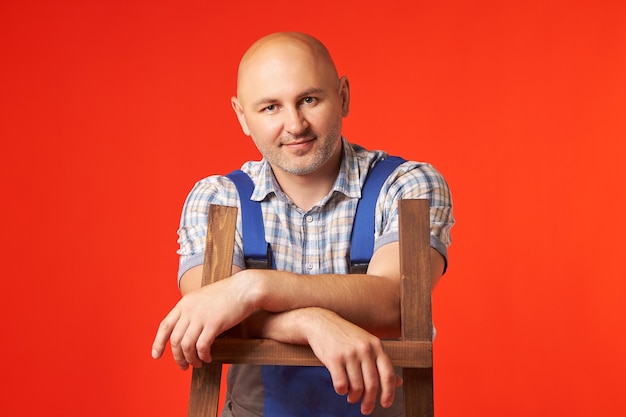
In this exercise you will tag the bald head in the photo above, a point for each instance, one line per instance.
(284, 49)
(291, 102)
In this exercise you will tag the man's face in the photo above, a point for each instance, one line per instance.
(292, 106)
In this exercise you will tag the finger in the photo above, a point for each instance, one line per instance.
(389, 381)
(176, 340)
(164, 332)
(338, 376)
(203, 345)
(355, 380)
(371, 385)
(188, 345)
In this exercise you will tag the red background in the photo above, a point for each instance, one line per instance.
(111, 110)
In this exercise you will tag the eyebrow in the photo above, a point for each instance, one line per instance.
(310, 92)
(305, 93)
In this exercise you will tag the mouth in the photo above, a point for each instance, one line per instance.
(298, 142)
(300, 145)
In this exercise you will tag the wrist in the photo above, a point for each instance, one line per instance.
(313, 320)
(302, 323)
(249, 285)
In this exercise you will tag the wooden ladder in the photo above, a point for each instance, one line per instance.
(412, 352)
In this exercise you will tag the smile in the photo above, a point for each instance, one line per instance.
(299, 142)
(300, 145)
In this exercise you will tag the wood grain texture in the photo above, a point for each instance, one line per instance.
(413, 352)
(205, 390)
(218, 261)
(415, 297)
(416, 309)
(220, 243)
(270, 352)
(418, 392)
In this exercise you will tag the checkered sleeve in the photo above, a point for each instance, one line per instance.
(414, 180)
(193, 223)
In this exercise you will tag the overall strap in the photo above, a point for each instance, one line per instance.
(362, 241)
(257, 251)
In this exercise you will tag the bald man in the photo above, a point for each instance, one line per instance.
(291, 102)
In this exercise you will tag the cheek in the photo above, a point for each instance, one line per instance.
(327, 117)
(329, 122)
(264, 128)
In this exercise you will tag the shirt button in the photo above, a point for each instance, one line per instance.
(309, 266)
(309, 218)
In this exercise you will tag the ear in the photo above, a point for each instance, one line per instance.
(344, 95)
(240, 116)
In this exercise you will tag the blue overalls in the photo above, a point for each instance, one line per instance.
(258, 254)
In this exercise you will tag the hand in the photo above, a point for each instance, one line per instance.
(357, 363)
(197, 319)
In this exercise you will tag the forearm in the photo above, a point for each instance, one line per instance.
(294, 326)
(372, 301)
(286, 327)
(369, 301)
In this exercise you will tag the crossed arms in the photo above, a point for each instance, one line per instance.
(341, 317)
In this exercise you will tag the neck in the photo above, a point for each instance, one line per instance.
(305, 191)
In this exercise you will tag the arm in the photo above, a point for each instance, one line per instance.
(300, 309)
(204, 313)
(285, 327)
(373, 301)
(370, 301)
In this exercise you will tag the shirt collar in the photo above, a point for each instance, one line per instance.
(348, 181)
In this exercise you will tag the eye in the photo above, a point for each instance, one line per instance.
(270, 108)
(309, 100)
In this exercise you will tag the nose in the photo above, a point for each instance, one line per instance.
(295, 122)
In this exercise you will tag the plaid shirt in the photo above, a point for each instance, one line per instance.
(317, 241)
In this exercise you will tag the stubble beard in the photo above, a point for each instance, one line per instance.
(295, 165)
